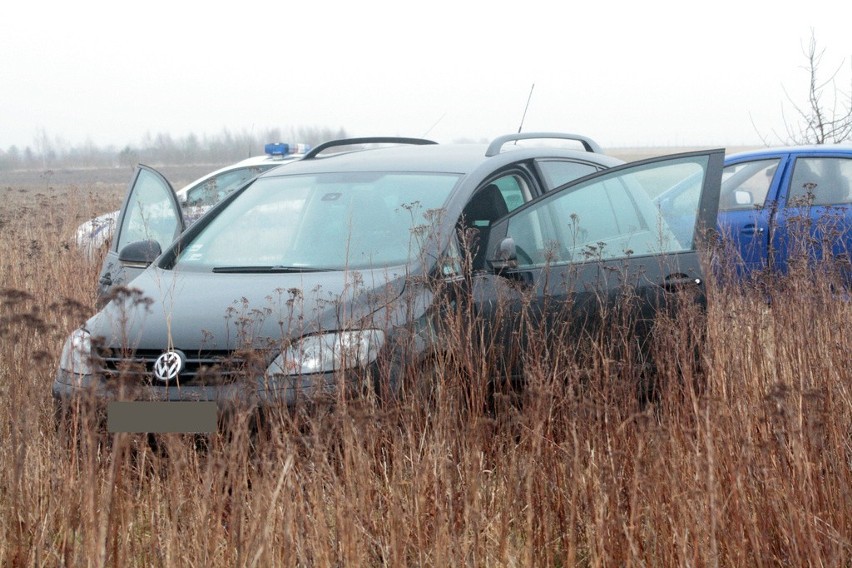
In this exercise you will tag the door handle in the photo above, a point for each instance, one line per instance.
(105, 280)
(679, 281)
(751, 229)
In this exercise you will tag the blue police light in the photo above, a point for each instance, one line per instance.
(280, 149)
(277, 149)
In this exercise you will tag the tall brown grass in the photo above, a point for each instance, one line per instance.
(741, 455)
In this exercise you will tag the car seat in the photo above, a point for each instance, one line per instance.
(805, 186)
(486, 206)
(835, 188)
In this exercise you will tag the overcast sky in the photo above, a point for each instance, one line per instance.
(625, 73)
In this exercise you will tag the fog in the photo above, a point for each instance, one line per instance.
(625, 73)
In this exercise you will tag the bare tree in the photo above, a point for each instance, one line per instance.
(827, 116)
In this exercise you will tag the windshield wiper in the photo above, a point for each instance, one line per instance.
(267, 269)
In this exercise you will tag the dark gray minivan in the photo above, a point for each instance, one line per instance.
(329, 265)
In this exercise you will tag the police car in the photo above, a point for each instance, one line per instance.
(200, 195)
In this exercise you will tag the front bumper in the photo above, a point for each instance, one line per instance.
(260, 393)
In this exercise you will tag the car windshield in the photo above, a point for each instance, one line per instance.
(328, 221)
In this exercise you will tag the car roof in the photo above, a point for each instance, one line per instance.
(804, 149)
(446, 158)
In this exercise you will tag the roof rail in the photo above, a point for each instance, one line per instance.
(498, 143)
(368, 140)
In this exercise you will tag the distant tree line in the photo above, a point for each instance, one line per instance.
(47, 153)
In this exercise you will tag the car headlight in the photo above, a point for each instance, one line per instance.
(329, 352)
(77, 353)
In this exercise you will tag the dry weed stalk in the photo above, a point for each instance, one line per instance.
(736, 451)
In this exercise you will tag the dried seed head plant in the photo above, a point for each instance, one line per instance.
(730, 444)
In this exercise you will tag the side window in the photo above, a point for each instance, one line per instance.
(820, 181)
(613, 216)
(150, 214)
(212, 190)
(560, 172)
(588, 222)
(514, 191)
(745, 185)
(495, 200)
(490, 203)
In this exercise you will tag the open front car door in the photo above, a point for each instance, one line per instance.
(148, 222)
(583, 252)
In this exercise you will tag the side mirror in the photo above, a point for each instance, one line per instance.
(506, 256)
(743, 198)
(140, 254)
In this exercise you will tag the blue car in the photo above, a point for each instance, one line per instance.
(779, 203)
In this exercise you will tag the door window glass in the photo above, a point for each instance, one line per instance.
(611, 216)
(150, 213)
(820, 181)
(514, 191)
(490, 203)
(745, 185)
(560, 172)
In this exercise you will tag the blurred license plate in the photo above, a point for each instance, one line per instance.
(158, 417)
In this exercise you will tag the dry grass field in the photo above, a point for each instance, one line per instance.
(741, 459)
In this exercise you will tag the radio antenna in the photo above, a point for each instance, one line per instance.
(525, 110)
(425, 134)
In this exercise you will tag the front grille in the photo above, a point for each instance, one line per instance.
(200, 368)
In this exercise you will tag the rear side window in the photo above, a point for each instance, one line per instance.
(820, 181)
(560, 172)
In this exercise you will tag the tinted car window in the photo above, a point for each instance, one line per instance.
(820, 181)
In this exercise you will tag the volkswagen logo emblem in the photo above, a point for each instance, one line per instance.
(168, 366)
